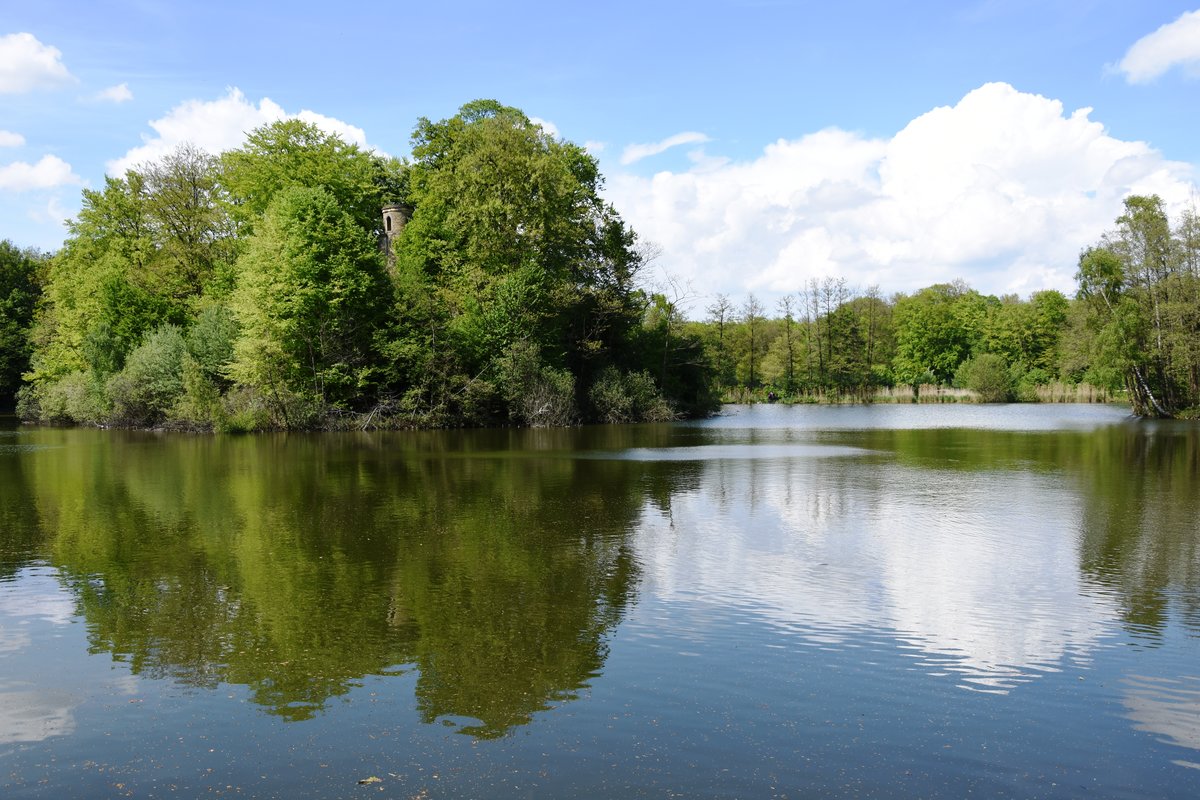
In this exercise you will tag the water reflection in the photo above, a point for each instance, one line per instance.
(998, 555)
(295, 566)
(1169, 707)
(495, 566)
(30, 712)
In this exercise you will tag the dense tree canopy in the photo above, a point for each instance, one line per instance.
(249, 290)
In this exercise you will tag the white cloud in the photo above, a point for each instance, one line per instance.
(548, 126)
(594, 147)
(821, 555)
(52, 213)
(27, 64)
(1002, 189)
(352, 134)
(10, 139)
(636, 152)
(221, 124)
(47, 173)
(115, 94)
(1176, 44)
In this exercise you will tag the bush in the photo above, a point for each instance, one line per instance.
(537, 395)
(1026, 382)
(151, 382)
(987, 375)
(620, 397)
(200, 405)
(242, 410)
(73, 398)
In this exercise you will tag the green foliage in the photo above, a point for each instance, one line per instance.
(151, 382)
(618, 397)
(1027, 333)
(310, 292)
(73, 398)
(512, 287)
(537, 395)
(139, 254)
(513, 265)
(1140, 291)
(986, 374)
(20, 289)
(210, 340)
(292, 153)
(936, 330)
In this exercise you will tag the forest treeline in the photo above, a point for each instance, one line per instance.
(258, 289)
(1133, 330)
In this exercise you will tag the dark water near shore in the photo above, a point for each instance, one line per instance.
(889, 601)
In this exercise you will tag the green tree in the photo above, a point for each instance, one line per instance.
(786, 306)
(20, 288)
(936, 330)
(189, 216)
(509, 242)
(988, 375)
(720, 315)
(310, 291)
(294, 153)
(1143, 308)
(752, 323)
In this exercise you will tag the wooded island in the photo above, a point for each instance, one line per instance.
(250, 291)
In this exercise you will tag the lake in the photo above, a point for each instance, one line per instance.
(808, 601)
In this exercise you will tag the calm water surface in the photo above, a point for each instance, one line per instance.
(892, 601)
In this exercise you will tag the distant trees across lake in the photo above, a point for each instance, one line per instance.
(258, 289)
(1132, 329)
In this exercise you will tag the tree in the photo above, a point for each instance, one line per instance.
(1140, 293)
(512, 243)
(986, 374)
(310, 291)
(936, 330)
(291, 153)
(752, 319)
(786, 305)
(720, 314)
(20, 288)
(189, 218)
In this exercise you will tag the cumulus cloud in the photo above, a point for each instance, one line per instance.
(1176, 44)
(548, 126)
(115, 94)
(636, 152)
(221, 124)
(27, 64)
(10, 139)
(1002, 189)
(47, 173)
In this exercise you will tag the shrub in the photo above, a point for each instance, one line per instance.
(1026, 382)
(987, 375)
(242, 410)
(73, 398)
(151, 382)
(537, 395)
(619, 397)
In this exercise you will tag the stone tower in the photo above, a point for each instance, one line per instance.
(395, 217)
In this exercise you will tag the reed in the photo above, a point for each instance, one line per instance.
(1059, 392)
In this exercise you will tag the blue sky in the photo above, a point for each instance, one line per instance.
(757, 144)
